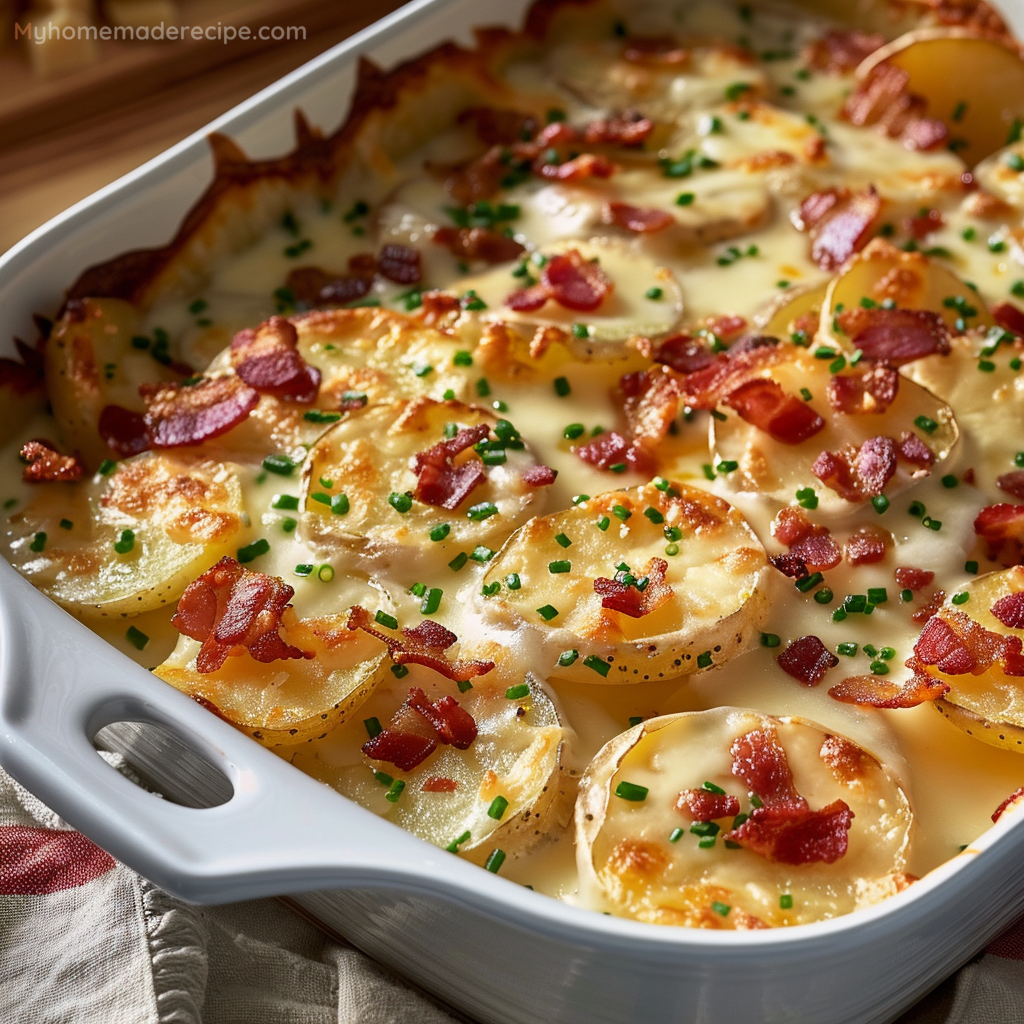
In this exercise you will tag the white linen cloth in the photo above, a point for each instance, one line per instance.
(83, 940)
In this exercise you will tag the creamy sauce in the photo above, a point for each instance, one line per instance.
(733, 251)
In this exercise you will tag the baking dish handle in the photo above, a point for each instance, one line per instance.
(280, 831)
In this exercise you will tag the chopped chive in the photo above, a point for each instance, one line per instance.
(932, 524)
(855, 602)
(325, 573)
(705, 828)
(721, 908)
(915, 508)
(253, 550)
(481, 553)
(321, 416)
(847, 649)
(136, 638)
(464, 685)
(675, 835)
(685, 199)
(106, 467)
(484, 510)
(562, 540)
(809, 582)
(621, 512)
(599, 665)
(635, 720)
(770, 640)
(654, 294)
(303, 569)
(440, 531)
(806, 498)
(672, 549)
(431, 601)
(962, 597)
(512, 581)
(288, 524)
(870, 650)
(603, 523)
(458, 561)
(497, 809)
(573, 430)
(631, 791)
(280, 464)
(373, 727)
(382, 777)
(578, 499)
(654, 515)
(285, 501)
(39, 543)
(579, 331)
(704, 659)
(880, 503)
(340, 504)
(879, 668)
(490, 589)
(878, 595)
(483, 388)
(518, 691)
(384, 619)
(906, 595)
(887, 653)
(399, 671)
(67, 524)
(562, 387)
(400, 502)
(453, 846)
(824, 596)
(785, 901)
(394, 791)
(495, 860)
(547, 612)
(971, 567)
(567, 658)
(839, 614)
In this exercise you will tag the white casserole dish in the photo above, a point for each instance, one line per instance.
(489, 947)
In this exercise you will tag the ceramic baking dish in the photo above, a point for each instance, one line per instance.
(246, 824)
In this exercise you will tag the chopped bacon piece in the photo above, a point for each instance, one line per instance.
(790, 565)
(807, 660)
(763, 403)
(882, 99)
(453, 724)
(1009, 317)
(177, 415)
(478, 244)
(268, 359)
(650, 403)
(704, 388)
(909, 578)
(1009, 610)
(628, 598)
(956, 644)
(703, 805)
(1012, 483)
(400, 263)
(405, 750)
(312, 286)
(44, 464)
(423, 645)
(839, 223)
(882, 692)
(579, 168)
(807, 541)
(123, 430)
(480, 179)
(941, 646)
(923, 224)
(439, 481)
(232, 610)
(760, 762)
(612, 449)
(858, 473)
(570, 280)
(640, 219)
(498, 127)
(540, 476)
(913, 450)
(683, 353)
(439, 784)
(527, 300)
(930, 607)
(868, 392)
(558, 133)
(628, 129)
(727, 326)
(437, 305)
(1001, 526)
(1010, 800)
(867, 545)
(840, 51)
(895, 336)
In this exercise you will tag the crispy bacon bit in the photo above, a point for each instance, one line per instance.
(453, 724)
(400, 263)
(423, 645)
(498, 127)
(123, 430)
(683, 353)
(809, 542)
(763, 403)
(612, 449)
(1012, 483)
(840, 51)
(437, 306)
(882, 692)
(746, 360)
(478, 244)
(1001, 526)
(527, 300)
(703, 805)
(404, 749)
(868, 392)
(232, 610)
(1008, 802)
(923, 224)
(629, 598)
(439, 481)
(1009, 317)
(44, 464)
(956, 644)
(790, 565)
(628, 129)
(654, 50)
(640, 219)
(539, 476)
(895, 336)
(268, 359)
(312, 286)
(839, 223)
(439, 784)
(1009, 610)
(807, 660)
(784, 829)
(579, 168)
(882, 99)
(930, 607)
(726, 326)
(858, 473)
(570, 280)
(913, 450)
(867, 545)
(910, 578)
(177, 415)
(650, 403)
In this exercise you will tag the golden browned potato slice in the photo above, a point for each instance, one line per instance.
(643, 857)
(91, 362)
(360, 485)
(988, 703)
(951, 67)
(882, 273)
(638, 584)
(284, 702)
(506, 791)
(796, 310)
(130, 542)
(772, 467)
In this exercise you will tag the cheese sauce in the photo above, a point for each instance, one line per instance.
(744, 135)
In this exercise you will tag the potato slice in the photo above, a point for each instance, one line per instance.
(988, 81)
(988, 704)
(770, 467)
(517, 755)
(638, 855)
(792, 311)
(91, 362)
(705, 611)
(997, 176)
(367, 458)
(282, 703)
(911, 280)
(180, 513)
